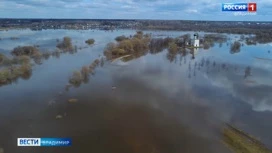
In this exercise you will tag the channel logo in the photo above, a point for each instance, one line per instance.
(241, 7)
(44, 142)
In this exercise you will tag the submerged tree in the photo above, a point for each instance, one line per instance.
(173, 48)
(159, 44)
(235, 47)
(76, 79)
(247, 72)
(66, 44)
(12, 73)
(85, 74)
(25, 50)
(121, 38)
(90, 41)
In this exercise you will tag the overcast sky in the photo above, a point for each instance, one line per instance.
(130, 9)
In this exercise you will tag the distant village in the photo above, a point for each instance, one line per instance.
(84, 24)
(259, 32)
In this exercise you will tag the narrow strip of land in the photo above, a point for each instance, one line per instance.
(266, 59)
(240, 142)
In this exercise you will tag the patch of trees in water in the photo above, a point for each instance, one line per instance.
(140, 44)
(25, 50)
(263, 37)
(37, 55)
(159, 44)
(83, 75)
(258, 37)
(13, 69)
(66, 44)
(125, 46)
(30, 51)
(19, 66)
(136, 45)
(209, 40)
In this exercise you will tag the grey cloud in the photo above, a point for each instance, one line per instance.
(72, 0)
(45, 3)
(141, 9)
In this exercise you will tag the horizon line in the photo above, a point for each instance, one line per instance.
(129, 19)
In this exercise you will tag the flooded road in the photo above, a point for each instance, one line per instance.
(160, 103)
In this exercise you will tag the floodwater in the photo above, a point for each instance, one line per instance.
(162, 103)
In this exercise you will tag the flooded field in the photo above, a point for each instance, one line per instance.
(154, 103)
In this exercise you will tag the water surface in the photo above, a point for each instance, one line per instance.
(162, 102)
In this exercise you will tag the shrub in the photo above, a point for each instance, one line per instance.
(102, 62)
(139, 45)
(46, 55)
(90, 41)
(66, 44)
(139, 35)
(110, 46)
(25, 71)
(126, 45)
(25, 50)
(251, 41)
(2, 58)
(56, 53)
(118, 51)
(206, 45)
(235, 47)
(85, 73)
(121, 38)
(25, 68)
(21, 60)
(173, 48)
(96, 62)
(4, 75)
(76, 78)
(158, 44)
(12, 73)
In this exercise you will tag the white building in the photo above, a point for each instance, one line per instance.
(196, 40)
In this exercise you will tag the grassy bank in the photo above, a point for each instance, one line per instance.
(241, 142)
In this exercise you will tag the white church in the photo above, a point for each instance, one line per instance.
(196, 40)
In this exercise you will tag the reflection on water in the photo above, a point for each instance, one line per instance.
(247, 72)
(162, 101)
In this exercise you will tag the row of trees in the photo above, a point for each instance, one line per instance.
(20, 64)
(83, 75)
